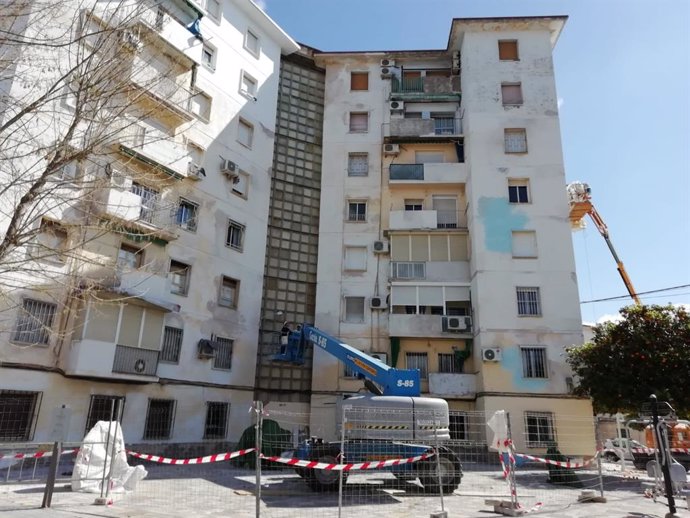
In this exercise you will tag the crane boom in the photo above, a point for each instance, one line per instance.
(581, 204)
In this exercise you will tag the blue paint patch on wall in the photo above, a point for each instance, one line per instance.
(512, 362)
(499, 217)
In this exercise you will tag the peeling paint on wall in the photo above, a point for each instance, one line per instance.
(499, 218)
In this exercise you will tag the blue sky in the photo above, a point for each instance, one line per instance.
(623, 78)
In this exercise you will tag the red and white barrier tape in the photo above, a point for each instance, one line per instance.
(217, 457)
(652, 450)
(36, 455)
(561, 464)
(310, 464)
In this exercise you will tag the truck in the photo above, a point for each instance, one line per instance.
(391, 421)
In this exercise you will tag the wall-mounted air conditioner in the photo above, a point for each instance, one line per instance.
(387, 62)
(396, 106)
(380, 247)
(378, 303)
(456, 323)
(195, 171)
(391, 149)
(205, 349)
(491, 354)
(383, 357)
(386, 72)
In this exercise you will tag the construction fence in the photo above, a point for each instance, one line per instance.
(371, 468)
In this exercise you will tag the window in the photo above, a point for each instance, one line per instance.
(524, 244)
(429, 157)
(129, 257)
(349, 372)
(200, 105)
(223, 357)
(508, 50)
(18, 412)
(208, 56)
(245, 133)
(160, 417)
(103, 408)
(67, 173)
(411, 205)
(408, 270)
(34, 322)
(240, 185)
(354, 309)
(216, 426)
(356, 258)
(518, 191)
(252, 43)
(418, 361)
(248, 85)
(515, 140)
(235, 236)
(357, 211)
(187, 214)
(359, 122)
(359, 81)
(358, 164)
(213, 8)
(172, 344)
(458, 427)
(534, 362)
(511, 93)
(447, 363)
(179, 277)
(229, 289)
(539, 429)
(528, 301)
(446, 211)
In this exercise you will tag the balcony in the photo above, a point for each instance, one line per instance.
(430, 271)
(98, 359)
(427, 174)
(436, 88)
(436, 130)
(160, 152)
(162, 90)
(426, 219)
(421, 326)
(139, 211)
(453, 385)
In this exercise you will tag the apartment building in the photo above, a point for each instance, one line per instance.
(446, 247)
(147, 300)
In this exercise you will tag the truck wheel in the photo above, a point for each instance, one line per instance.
(324, 480)
(449, 474)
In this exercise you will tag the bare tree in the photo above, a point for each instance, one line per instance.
(79, 82)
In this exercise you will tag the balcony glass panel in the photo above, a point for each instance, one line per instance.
(407, 172)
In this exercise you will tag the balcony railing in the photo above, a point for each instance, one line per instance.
(436, 173)
(429, 85)
(406, 172)
(134, 360)
(426, 219)
(435, 127)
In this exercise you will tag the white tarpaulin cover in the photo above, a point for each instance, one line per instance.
(94, 459)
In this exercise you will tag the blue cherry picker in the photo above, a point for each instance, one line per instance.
(391, 421)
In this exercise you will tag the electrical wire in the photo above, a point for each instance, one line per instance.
(639, 293)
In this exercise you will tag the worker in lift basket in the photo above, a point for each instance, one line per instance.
(284, 333)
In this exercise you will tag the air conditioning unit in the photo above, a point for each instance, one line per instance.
(455, 66)
(378, 303)
(387, 63)
(120, 181)
(195, 171)
(380, 247)
(139, 365)
(396, 106)
(386, 72)
(130, 40)
(391, 149)
(206, 349)
(491, 354)
(383, 357)
(456, 323)
(229, 169)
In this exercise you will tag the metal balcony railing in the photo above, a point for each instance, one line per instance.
(434, 127)
(153, 210)
(447, 219)
(430, 85)
(134, 360)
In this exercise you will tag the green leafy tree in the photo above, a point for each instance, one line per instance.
(647, 352)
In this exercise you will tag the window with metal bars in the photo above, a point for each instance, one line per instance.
(358, 164)
(18, 412)
(458, 427)
(357, 211)
(528, 302)
(534, 362)
(539, 429)
(223, 357)
(216, 426)
(104, 408)
(172, 344)
(419, 361)
(187, 215)
(235, 236)
(515, 140)
(34, 322)
(160, 417)
(448, 363)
